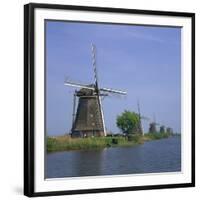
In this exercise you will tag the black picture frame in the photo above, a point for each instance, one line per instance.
(29, 95)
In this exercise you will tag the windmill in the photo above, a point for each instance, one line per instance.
(88, 118)
(169, 130)
(140, 128)
(162, 129)
(152, 125)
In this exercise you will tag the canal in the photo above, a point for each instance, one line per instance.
(151, 157)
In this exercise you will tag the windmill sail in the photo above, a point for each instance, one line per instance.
(113, 91)
(140, 128)
(97, 86)
(73, 84)
(94, 66)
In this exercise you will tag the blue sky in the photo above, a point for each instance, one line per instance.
(145, 61)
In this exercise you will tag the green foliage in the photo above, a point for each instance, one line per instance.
(115, 141)
(128, 122)
(137, 138)
(156, 136)
(51, 143)
(65, 143)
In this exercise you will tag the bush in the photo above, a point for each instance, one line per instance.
(130, 137)
(135, 138)
(128, 122)
(115, 141)
(51, 143)
(157, 136)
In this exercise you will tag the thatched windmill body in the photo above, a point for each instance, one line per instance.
(88, 117)
(169, 130)
(162, 129)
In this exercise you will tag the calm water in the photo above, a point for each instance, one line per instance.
(155, 156)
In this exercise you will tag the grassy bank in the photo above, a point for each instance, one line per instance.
(155, 136)
(64, 143)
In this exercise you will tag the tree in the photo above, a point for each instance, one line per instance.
(128, 122)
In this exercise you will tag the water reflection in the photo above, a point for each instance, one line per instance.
(88, 162)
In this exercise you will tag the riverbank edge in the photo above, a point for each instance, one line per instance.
(66, 143)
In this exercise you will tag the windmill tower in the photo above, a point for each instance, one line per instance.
(88, 118)
(162, 129)
(152, 126)
(169, 130)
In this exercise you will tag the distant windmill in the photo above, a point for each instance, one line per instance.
(152, 125)
(88, 118)
(169, 130)
(162, 129)
(140, 128)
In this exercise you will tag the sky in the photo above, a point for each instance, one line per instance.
(144, 61)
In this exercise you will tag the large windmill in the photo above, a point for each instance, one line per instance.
(88, 118)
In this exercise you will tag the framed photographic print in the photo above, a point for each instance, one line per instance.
(108, 99)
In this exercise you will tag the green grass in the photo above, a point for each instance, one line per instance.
(64, 143)
(156, 136)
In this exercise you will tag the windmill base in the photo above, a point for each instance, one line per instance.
(83, 134)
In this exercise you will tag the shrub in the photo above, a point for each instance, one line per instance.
(115, 141)
(128, 122)
(137, 138)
